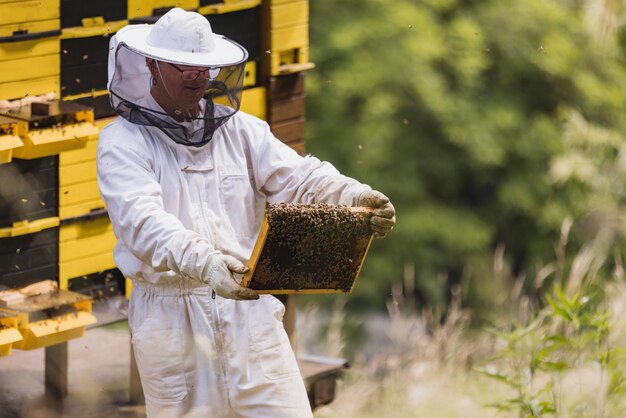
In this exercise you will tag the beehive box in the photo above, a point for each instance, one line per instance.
(52, 318)
(53, 126)
(309, 249)
(8, 331)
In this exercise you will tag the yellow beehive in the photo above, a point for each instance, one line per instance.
(85, 247)
(9, 138)
(143, 8)
(9, 333)
(51, 318)
(29, 48)
(286, 36)
(54, 127)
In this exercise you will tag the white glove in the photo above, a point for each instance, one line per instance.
(384, 215)
(218, 274)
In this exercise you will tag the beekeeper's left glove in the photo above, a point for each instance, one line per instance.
(384, 215)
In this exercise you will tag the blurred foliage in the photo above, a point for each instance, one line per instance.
(573, 346)
(486, 122)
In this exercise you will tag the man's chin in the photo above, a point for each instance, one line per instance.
(189, 105)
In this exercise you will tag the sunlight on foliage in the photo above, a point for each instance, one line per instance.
(506, 114)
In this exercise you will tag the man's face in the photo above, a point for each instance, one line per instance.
(183, 85)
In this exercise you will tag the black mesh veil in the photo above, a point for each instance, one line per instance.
(130, 83)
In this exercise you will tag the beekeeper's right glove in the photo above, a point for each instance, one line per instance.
(219, 275)
(384, 215)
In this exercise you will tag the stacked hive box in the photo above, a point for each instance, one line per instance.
(142, 8)
(29, 213)
(29, 221)
(286, 109)
(29, 48)
(29, 194)
(86, 238)
(286, 36)
(287, 55)
(84, 50)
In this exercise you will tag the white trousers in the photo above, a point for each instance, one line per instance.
(204, 357)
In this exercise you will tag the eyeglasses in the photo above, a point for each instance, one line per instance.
(191, 75)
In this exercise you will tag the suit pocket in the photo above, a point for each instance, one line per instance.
(159, 349)
(269, 339)
(238, 198)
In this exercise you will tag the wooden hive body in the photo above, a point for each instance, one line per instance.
(309, 249)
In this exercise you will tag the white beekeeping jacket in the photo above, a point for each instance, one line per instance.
(172, 205)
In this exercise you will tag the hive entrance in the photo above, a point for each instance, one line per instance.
(309, 249)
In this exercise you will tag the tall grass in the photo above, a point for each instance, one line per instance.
(559, 354)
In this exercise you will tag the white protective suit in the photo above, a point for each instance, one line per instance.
(171, 206)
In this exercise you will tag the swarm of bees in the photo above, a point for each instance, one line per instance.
(312, 247)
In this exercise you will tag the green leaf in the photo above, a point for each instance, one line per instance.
(499, 377)
(557, 309)
(554, 366)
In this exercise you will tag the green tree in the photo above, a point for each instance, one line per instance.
(486, 122)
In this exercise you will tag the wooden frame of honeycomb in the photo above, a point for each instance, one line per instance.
(309, 249)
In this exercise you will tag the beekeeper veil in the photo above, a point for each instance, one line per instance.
(201, 75)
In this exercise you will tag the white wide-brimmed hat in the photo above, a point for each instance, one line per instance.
(182, 37)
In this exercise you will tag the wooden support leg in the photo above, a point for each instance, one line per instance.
(56, 370)
(136, 391)
(289, 320)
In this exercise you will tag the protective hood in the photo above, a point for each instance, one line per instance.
(192, 68)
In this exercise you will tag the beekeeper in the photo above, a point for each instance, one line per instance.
(185, 178)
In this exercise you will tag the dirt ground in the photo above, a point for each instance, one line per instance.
(98, 378)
